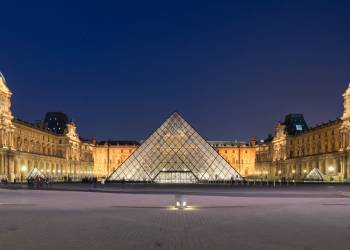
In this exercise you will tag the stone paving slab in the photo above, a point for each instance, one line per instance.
(81, 220)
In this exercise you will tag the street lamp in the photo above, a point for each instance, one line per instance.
(280, 176)
(331, 170)
(293, 172)
(24, 169)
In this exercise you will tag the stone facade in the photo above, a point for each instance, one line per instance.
(24, 146)
(109, 155)
(240, 156)
(325, 147)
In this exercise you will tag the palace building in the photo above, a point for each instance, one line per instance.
(25, 146)
(296, 150)
(174, 153)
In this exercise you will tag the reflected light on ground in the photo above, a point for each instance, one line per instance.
(188, 208)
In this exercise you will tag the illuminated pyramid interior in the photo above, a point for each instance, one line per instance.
(175, 153)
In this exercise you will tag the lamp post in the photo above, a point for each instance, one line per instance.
(293, 172)
(265, 173)
(24, 169)
(280, 176)
(331, 171)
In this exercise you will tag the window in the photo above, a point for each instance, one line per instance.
(2, 103)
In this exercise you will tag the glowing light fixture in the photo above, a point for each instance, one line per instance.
(180, 202)
(331, 169)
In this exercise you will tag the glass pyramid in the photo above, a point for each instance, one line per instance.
(35, 173)
(315, 175)
(175, 153)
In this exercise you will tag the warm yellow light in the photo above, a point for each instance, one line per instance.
(304, 171)
(293, 171)
(279, 171)
(330, 168)
(24, 168)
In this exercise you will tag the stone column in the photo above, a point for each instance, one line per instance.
(1, 165)
(337, 166)
(301, 168)
(5, 162)
(11, 168)
(324, 166)
(345, 166)
(1, 138)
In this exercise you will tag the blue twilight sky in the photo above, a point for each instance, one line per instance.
(233, 69)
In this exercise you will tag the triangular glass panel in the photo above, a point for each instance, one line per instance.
(35, 173)
(175, 153)
(315, 175)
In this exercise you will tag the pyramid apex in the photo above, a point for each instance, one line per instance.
(176, 113)
(175, 153)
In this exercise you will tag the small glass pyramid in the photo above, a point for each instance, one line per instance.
(35, 173)
(175, 153)
(315, 175)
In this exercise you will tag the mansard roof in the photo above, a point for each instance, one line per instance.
(119, 143)
(34, 126)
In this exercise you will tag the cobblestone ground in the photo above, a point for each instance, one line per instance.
(83, 220)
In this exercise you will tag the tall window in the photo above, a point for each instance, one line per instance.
(2, 103)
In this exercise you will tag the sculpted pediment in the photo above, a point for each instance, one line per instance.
(3, 86)
(345, 125)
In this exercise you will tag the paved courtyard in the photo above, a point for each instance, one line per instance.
(299, 218)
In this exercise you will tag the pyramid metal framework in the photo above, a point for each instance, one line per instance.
(315, 175)
(175, 153)
(35, 173)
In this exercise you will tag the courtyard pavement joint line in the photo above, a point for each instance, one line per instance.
(346, 194)
(18, 204)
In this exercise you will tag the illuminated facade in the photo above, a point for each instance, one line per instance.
(294, 155)
(109, 155)
(25, 146)
(240, 155)
(296, 151)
